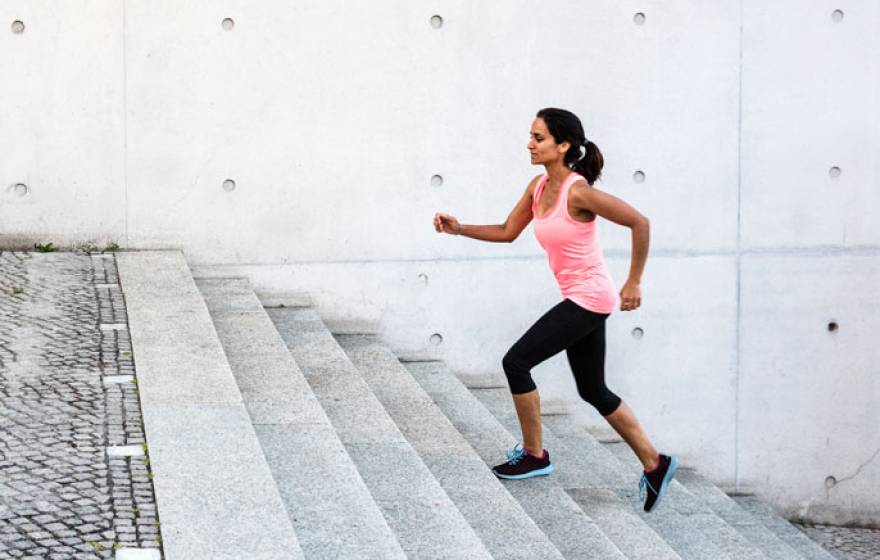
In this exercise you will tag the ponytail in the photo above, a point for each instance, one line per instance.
(590, 164)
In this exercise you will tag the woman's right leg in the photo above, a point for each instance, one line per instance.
(557, 329)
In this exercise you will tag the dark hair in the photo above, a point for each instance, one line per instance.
(566, 127)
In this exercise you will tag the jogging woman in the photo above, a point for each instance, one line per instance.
(564, 205)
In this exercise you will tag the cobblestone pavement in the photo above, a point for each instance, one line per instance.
(67, 393)
(844, 542)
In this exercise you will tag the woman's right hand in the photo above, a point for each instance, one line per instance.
(444, 223)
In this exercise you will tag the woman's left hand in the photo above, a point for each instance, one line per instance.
(630, 296)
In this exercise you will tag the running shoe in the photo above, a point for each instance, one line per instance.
(654, 484)
(522, 464)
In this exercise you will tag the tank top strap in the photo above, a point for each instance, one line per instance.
(561, 204)
(536, 196)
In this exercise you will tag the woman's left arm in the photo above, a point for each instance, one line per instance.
(614, 209)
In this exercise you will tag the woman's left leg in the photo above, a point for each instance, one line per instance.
(587, 361)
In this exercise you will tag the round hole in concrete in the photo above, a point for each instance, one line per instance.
(834, 172)
(639, 176)
(228, 24)
(18, 27)
(832, 326)
(436, 181)
(638, 333)
(639, 18)
(436, 22)
(21, 189)
(830, 482)
(228, 185)
(837, 15)
(436, 339)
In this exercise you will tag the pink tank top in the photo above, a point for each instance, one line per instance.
(574, 253)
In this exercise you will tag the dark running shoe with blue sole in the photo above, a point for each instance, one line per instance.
(654, 484)
(521, 464)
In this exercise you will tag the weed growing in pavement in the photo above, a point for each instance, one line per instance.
(45, 248)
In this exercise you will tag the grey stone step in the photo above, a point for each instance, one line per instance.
(594, 478)
(215, 495)
(747, 524)
(690, 523)
(688, 527)
(572, 531)
(791, 535)
(426, 522)
(331, 509)
(495, 515)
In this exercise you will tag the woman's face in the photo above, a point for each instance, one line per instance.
(542, 146)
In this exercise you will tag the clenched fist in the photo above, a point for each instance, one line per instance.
(444, 223)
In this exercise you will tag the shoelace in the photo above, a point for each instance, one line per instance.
(643, 483)
(516, 454)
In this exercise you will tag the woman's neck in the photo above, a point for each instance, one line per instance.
(558, 172)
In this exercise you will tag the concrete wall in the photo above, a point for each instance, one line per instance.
(120, 122)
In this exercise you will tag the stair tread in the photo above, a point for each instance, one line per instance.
(421, 514)
(544, 499)
(328, 503)
(690, 528)
(496, 517)
(209, 473)
(789, 534)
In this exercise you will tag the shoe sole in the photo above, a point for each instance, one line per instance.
(673, 466)
(539, 472)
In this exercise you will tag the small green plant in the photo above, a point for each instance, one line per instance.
(88, 248)
(45, 248)
(117, 546)
(127, 354)
(96, 545)
(17, 290)
(113, 247)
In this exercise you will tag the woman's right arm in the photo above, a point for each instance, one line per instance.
(517, 221)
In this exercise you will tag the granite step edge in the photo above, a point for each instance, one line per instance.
(330, 507)
(488, 436)
(508, 532)
(426, 521)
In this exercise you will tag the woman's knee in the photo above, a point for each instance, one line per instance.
(517, 371)
(600, 398)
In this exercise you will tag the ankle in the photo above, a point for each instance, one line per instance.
(539, 455)
(653, 465)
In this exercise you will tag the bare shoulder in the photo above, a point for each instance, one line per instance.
(581, 190)
(533, 184)
(586, 197)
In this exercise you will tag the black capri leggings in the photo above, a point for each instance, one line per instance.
(578, 331)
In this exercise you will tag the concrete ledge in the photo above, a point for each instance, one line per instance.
(215, 495)
(179, 358)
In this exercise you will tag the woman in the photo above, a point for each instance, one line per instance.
(564, 206)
